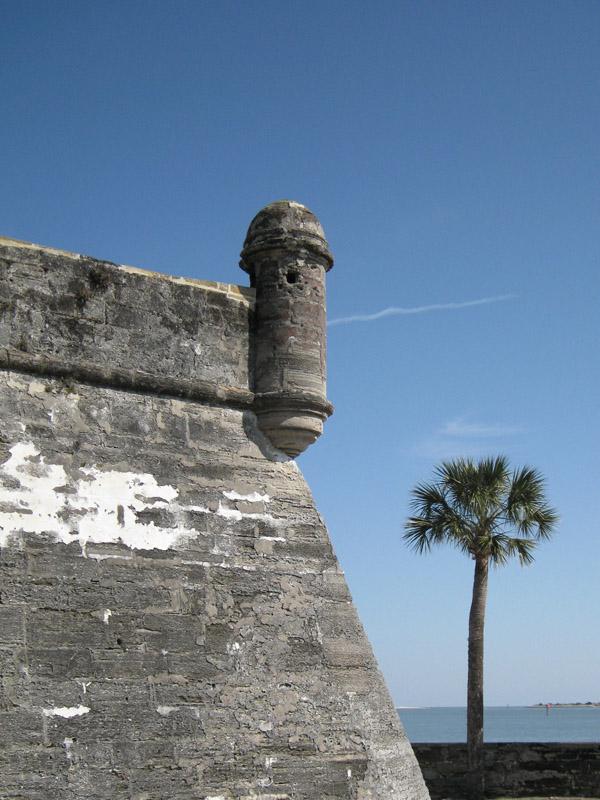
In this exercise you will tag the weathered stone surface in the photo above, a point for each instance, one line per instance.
(173, 620)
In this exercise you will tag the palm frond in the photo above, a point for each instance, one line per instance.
(418, 534)
(526, 506)
(523, 548)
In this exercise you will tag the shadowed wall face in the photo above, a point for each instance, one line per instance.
(173, 620)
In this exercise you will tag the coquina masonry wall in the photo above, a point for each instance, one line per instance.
(173, 620)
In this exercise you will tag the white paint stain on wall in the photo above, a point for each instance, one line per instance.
(164, 711)
(235, 514)
(66, 712)
(101, 507)
(253, 497)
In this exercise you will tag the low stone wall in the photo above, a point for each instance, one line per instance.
(515, 769)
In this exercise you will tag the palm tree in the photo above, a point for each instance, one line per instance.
(491, 514)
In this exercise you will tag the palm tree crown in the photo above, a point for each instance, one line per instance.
(477, 506)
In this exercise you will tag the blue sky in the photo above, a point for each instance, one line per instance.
(450, 150)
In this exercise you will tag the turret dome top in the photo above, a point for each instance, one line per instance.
(285, 224)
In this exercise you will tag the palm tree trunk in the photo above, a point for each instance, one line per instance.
(475, 753)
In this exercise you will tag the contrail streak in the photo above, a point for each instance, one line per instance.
(388, 312)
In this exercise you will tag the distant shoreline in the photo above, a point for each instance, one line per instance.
(537, 705)
(566, 705)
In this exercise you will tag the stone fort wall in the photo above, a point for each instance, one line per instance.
(173, 619)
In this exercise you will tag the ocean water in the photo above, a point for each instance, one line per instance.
(504, 724)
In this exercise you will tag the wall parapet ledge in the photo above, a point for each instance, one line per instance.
(242, 294)
(122, 378)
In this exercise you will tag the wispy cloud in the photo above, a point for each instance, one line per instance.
(460, 428)
(460, 437)
(395, 310)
